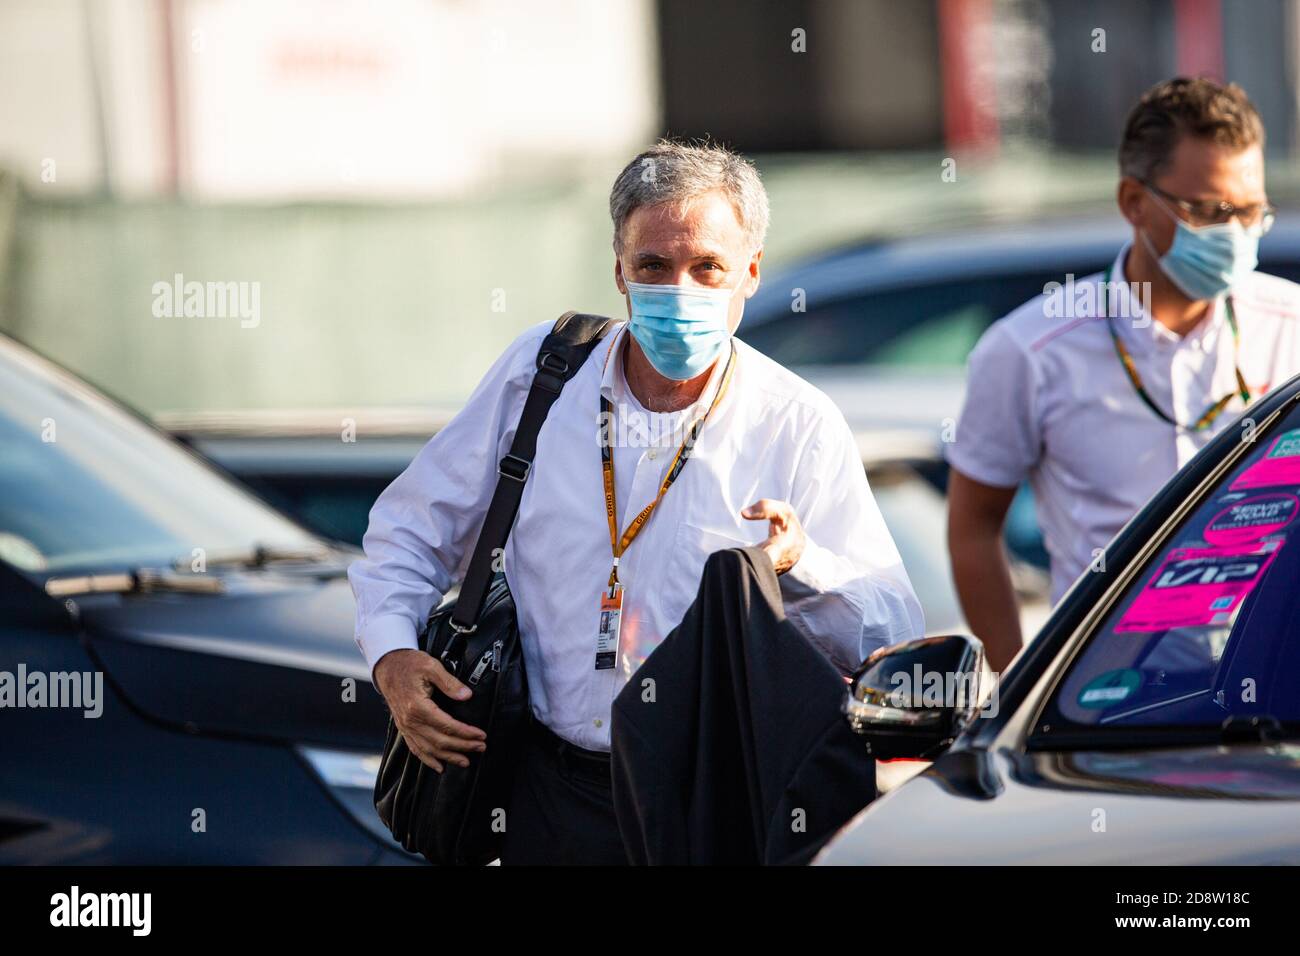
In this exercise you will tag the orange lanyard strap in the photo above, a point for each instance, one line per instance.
(1126, 359)
(618, 543)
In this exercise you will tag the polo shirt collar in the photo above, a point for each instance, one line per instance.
(1142, 334)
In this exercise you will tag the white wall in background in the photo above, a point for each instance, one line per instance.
(46, 95)
(306, 99)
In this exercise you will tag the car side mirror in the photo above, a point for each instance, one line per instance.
(912, 699)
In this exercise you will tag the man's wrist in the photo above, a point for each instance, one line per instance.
(813, 572)
(387, 664)
(381, 635)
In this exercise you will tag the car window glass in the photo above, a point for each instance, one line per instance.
(1210, 627)
(85, 485)
(936, 324)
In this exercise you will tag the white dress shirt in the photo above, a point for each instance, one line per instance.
(771, 436)
(1047, 398)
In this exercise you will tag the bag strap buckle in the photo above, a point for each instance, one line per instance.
(553, 363)
(515, 468)
(552, 371)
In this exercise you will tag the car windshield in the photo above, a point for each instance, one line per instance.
(85, 485)
(1209, 629)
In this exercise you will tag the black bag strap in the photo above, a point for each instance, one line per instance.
(563, 351)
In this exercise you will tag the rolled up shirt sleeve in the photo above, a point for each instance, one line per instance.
(848, 593)
(998, 439)
(423, 526)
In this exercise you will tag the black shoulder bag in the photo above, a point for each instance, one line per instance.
(453, 818)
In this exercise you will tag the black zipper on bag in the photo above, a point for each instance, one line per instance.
(483, 663)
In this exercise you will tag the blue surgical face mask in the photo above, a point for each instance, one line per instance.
(1206, 261)
(682, 329)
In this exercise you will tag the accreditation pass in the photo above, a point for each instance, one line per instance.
(611, 616)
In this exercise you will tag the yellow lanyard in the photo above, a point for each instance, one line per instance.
(1126, 359)
(619, 544)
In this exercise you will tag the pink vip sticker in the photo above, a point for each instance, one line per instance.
(1196, 587)
(1279, 466)
(1251, 519)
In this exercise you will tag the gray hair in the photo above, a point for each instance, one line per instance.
(674, 172)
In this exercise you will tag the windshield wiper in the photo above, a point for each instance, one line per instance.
(139, 581)
(261, 555)
(144, 580)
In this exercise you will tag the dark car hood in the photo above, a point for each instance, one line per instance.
(272, 657)
(1235, 804)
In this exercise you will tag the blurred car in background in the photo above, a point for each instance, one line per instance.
(1156, 717)
(237, 723)
(886, 326)
(922, 302)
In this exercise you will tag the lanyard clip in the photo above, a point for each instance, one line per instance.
(613, 579)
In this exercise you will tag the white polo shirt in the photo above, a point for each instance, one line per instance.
(1047, 399)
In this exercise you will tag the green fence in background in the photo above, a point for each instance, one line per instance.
(374, 305)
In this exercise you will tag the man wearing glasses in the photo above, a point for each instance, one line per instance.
(1097, 399)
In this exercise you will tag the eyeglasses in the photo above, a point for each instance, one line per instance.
(1212, 212)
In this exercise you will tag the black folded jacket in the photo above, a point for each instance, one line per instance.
(729, 745)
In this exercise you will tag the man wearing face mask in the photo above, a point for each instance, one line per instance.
(1100, 398)
(672, 441)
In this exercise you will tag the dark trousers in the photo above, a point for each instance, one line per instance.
(561, 810)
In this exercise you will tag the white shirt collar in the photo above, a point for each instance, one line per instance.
(1143, 330)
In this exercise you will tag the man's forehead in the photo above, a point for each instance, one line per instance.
(708, 220)
(1212, 170)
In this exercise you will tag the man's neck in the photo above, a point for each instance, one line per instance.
(1166, 302)
(654, 391)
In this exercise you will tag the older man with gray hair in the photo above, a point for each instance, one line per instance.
(772, 463)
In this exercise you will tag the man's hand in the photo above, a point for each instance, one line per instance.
(785, 538)
(406, 678)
